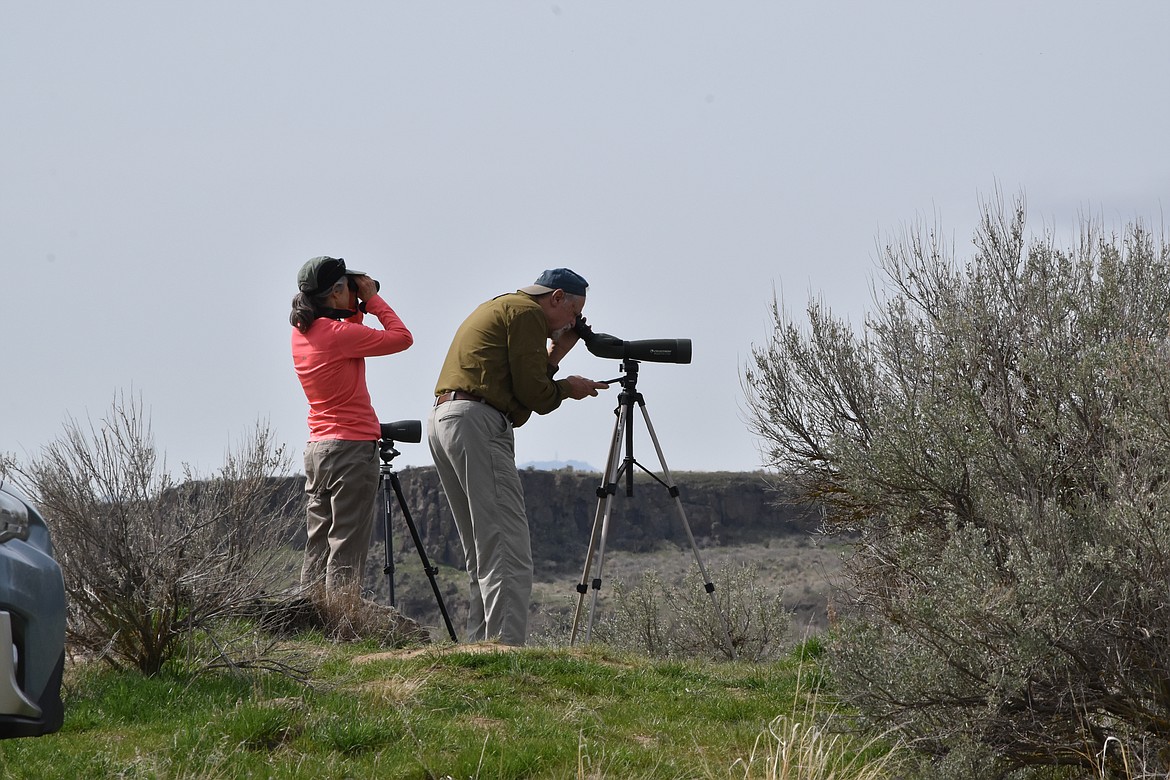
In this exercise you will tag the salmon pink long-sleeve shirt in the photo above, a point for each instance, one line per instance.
(330, 362)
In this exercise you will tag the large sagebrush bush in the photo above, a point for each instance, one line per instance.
(997, 434)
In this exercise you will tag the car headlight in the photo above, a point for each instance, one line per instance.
(13, 518)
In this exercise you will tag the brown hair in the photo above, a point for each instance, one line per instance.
(306, 309)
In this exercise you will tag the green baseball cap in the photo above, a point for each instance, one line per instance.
(319, 274)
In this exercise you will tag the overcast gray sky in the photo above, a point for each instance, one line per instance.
(166, 167)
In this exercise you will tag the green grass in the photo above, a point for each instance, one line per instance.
(458, 712)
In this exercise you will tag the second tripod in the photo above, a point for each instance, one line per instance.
(406, 431)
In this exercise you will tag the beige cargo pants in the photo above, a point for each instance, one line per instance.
(474, 452)
(341, 483)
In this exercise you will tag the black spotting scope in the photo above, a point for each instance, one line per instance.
(409, 431)
(604, 345)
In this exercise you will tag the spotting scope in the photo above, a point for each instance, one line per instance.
(408, 431)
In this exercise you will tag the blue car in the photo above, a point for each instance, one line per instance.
(32, 622)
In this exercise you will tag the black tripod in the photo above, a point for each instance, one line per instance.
(407, 430)
(624, 427)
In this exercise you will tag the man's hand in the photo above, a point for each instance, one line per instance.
(579, 387)
(561, 342)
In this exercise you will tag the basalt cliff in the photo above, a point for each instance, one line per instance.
(721, 508)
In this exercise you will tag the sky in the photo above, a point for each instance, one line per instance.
(166, 168)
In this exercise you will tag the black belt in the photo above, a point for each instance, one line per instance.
(458, 395)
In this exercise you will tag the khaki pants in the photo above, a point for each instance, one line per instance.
(341, 482)
(474, 452)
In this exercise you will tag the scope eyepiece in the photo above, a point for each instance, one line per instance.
(582, 329)
(409, 431)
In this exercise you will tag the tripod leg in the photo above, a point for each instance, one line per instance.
(600, 566)
(707, 584)
(623, 424)
(418, 545)
(388, 569)
(600, 517)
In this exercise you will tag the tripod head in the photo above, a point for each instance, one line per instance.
(409, 431)
(629, 378)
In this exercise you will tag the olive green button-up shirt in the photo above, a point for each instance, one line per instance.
(500, 353)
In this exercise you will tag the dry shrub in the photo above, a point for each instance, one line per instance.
(347, 617)
(150, 560)
(678, 620)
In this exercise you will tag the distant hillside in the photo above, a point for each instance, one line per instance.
(557, 465)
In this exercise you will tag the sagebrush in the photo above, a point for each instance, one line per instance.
(997, 434)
